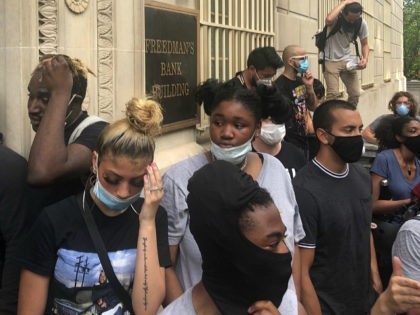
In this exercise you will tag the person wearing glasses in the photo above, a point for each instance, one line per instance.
(297, 84)
(402, 103)
(262, 65)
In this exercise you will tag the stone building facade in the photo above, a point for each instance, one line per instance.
(109, 36)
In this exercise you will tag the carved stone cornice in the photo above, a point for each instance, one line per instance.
(105, 60)
(47, 26)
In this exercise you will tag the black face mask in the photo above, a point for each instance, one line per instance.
(245, 275)
(413, 144)
(349, 149)
(236, 272)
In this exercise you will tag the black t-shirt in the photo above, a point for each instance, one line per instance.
(238, 80)
(336, 213)
(59, 246)
(13, 168)
(295, 91)
(291, 157)
(43, 196)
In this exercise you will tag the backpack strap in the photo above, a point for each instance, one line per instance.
(336, 27)
(89, 120)
(356, 31)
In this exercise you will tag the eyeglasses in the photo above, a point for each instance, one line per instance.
(264, 76)
(299, 57)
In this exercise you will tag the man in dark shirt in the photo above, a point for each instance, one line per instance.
(262, 65)
(296, 83)
(61, 153)
(13, 169)
(334, 198)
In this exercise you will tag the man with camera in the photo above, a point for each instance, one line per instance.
(337, 53)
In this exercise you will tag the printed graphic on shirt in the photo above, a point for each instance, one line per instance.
(299, 95)
(80, 278)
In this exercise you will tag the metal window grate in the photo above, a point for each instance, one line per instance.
(229, 30)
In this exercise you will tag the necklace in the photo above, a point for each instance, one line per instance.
(408, 165)
(408, 168)
(244, 163)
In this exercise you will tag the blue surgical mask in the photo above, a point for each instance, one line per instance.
(402, 109)
(110, 201)
(303, 66)
(234, 155)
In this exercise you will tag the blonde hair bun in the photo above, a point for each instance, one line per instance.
(145, 115)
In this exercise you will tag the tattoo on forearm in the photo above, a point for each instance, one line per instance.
(145, 282)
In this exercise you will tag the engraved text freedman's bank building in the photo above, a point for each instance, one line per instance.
(164, 48)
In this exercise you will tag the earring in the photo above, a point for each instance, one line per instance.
(92, 180)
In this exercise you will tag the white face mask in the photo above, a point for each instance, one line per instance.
(234, 155)
(272, 134)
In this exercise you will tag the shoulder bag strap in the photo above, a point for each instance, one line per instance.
(89, 120)
(356, 33)
(103, 256)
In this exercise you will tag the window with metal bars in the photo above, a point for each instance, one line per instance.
(229, 30)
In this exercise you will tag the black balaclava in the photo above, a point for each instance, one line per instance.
(236, 273)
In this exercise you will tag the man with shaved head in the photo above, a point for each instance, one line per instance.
(296, 83)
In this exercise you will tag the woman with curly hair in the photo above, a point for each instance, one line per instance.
(398, 167)
(401, 104)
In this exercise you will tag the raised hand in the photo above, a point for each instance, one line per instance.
(307, 78)
(56, 75)
(153, 192)
(401, 295)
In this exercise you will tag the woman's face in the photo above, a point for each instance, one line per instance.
(266, 229)
(121, 176)
(411, 129)
(231, 124)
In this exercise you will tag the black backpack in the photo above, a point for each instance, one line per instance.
(321, 37)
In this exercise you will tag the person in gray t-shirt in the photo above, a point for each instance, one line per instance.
(338, 51)
(407, 248)
(235, 115)
(402, 103)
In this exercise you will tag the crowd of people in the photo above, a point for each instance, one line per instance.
(277, 217)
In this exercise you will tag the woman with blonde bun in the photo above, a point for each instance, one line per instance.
(62, 272)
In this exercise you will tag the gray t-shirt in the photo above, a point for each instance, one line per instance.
(273, 176)
(374, 124)
(337, 47)
(184, 305)
(407, 248)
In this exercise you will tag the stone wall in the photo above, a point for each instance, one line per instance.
(384, 74)
(108, 35)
